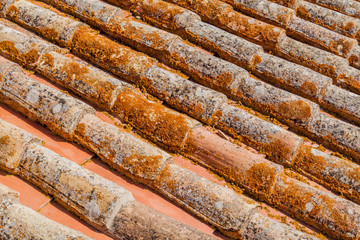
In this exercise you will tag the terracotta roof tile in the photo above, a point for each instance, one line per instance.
(332, 20)
(18, 221)
(301, 53)
(350, 7)
(99, 201)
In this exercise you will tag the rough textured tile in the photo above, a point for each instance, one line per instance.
(20, 222)
(348, 7)
(120, 149)
(153, 120)
(227, 45)
(143, 37)
(297, 78)
(286, 3)
(206, 69)
(316, 59)
(354, 58)
(8, 193)
(335, 215)
(198, 101)
(117, 58)
(265, 10)
(53, 142)
(327, 58)
(285, 106)
(321, 37)
(204, 104)
(191, 97)
(208, 10)
(338, 174)
(89, 195)
(340, 135)
(327, 18)
(251, 171)
(160, 13)
(13, 143)
(98, 12)
(200, 169)
(50, 24)
(149, 198)
(127, 227)
(277, 143)
(343, 102)
(219, 206)
(58, 111)
(264, 228)
(111, 131)
(24, 50)
(350, 79)
(222, 15)
(87, 81)
(103, 90)
(92, 197)
(252, 29)
(59, 214)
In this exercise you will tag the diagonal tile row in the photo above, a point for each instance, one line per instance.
(310, 31)
(289, 16)
(90, 129)
(103, 204)
(281, 72)
(333, 20)
(349, 7)
(258, 32)
(313, 85)
(35, 198)
(20, 222)
(234, 214)
(204, 68)
(307, 32)
(264, 135)
(55, 129)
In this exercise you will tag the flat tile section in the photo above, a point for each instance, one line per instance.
(30, 195)
(59, 214)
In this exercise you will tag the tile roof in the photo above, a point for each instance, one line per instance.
(189, 64)
(21, 222)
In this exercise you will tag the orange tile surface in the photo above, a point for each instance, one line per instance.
(30, 195)
(197, 169)
(59, 214)
(53, 142)
(149, 198)
(34, 198)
